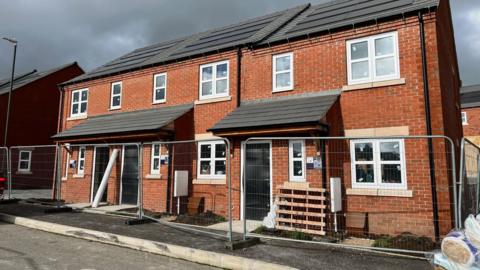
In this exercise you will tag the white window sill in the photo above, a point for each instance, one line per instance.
(222, 181)
(212, 100)
(380, 192)
(153, 176)
(72, 118)
(352, 87)
(159, 102)
(282, 90)
(24, 172)
(64, 178)
(78, 176)
(464, 124)
(115, 109)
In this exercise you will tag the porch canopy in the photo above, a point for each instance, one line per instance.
(140, 123)
(288, 114)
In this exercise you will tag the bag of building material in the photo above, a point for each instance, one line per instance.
(472, 230)
(442, 262)
(459, 250)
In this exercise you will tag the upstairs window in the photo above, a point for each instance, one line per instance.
(282, 72)
(160, 88)
(81, 161)
(24, 161)
(464, 118)
(212, 158)
(155, 162)
(214, 80)
(378, 164)
(116, 96)
(373, 59)
(79, 103)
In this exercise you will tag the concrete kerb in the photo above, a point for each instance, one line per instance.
(190, 254)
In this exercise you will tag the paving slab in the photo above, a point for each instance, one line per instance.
(298, 255)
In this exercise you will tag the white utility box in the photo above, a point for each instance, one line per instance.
(335, 194)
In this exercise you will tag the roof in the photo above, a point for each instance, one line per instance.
(144, 120)
(296, 22)
(470, 96)
(242, 33)
(29, 77)
(345, 13)
(290, 110)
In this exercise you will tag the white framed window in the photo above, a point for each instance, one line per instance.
(464, 118)
(283, 72)
(116, 96)
(214, 80)
(79, 103)
(296, 160)
(155, 159)
(81, 161)
(24, 161)
(160, 88)
(378, 164)
(212, 160)
(373, 59)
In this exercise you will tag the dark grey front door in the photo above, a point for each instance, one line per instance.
(101, 162)
(130, 175)
(257, 178)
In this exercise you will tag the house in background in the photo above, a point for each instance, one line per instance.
(33, 121)
(344, 68)
(470, 98)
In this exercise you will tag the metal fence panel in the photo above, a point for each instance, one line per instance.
(382, 188)
(32, 171)
(469, 179)
(3, 172)
(187, 185)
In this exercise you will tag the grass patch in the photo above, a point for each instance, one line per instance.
(407, 241)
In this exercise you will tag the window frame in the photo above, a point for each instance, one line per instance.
(214, 80)
(29, 161)
(275, 72)
(155, 87)
(377, 165)
(112, 95)
(212, 160)
(80, 158)
(79, 102)
(292, 159)
(153, 157)
(464, 118)
(372, 59)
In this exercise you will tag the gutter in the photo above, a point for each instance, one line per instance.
(428, 123)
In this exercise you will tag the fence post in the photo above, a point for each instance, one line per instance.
(58, 174)
(9, 173)
(229, 166)
(140, 180)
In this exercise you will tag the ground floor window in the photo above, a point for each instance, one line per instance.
(155, 162)
(297, 160)
(212, 158)
(378, 164)
(24, 161)
(81, 161)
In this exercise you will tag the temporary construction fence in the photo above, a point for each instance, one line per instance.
(3, 171)
(388, 193)
(469, 180)
(32, 171)
(155, 180)
(391, 193)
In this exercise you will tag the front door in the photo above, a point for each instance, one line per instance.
(257, 178)
(130, 175)
(101, 162)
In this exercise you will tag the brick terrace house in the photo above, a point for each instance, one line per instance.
(345, 68)
(34, 111)
(470, 99)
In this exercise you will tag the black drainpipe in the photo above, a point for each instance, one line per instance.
(428, 122)
(239, 75)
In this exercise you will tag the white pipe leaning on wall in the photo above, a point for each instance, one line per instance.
(106, 175)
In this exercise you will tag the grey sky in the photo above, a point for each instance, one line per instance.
(92, 32)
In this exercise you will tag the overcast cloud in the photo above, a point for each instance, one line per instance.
(92, 32)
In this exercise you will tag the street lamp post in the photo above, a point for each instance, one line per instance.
(14, 42)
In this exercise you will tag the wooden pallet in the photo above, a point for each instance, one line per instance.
(301, 208)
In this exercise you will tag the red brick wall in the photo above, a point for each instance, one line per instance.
(473, 120)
